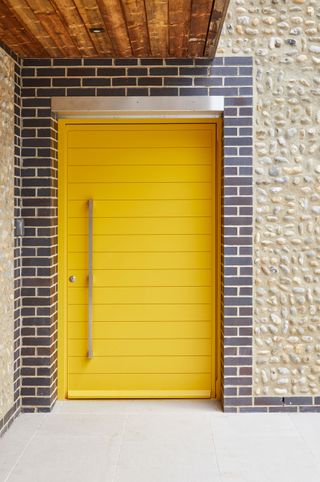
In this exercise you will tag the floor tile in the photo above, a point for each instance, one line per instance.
(175, 406)
(248, 425)
(308, 426)
(167, 447)
(72, 448)
(173, 473)
(67, 458)
(265, 458)
(92, 406)
(136, 406)
(16, 439)
(83, 424)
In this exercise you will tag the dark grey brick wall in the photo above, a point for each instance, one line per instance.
(39, 261)
(44, 79)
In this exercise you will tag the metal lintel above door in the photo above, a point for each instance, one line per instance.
(138, 107)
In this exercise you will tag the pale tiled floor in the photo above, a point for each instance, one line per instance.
(159, 441)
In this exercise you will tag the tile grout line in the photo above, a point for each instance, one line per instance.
(215, 450)
(115, 470)
(23, 451)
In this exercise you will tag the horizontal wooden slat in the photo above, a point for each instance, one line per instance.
(141, 329)
(151, 313)
(136, 243)
(139, 156)
(142, 226)
(200, 260)
(154, 364)
(141, 347)
(146, 294)
(160, 190)
(141, 277)
(132, 174)
(132, 137)
(137, 208)
(154, 126)
(138, 382)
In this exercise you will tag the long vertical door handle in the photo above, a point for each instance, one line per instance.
(90, 276)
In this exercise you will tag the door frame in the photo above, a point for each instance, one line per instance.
(216, 237)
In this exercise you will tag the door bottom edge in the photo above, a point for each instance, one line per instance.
(105, 394)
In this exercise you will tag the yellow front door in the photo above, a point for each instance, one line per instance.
(153, 285)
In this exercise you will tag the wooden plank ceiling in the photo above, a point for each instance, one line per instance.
(131, 28)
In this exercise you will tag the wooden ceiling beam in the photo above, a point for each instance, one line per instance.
(113, 17)
(157, 18)
(218, 15)
(200, 17)
(135, 15)
(179, 24)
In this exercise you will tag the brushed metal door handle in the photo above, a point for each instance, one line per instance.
(90, 276)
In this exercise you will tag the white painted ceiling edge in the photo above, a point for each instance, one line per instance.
(135, 107)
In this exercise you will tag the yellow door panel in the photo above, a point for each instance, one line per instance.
(136, 243)
(187, 260)
(139, 364)
(139, 190)
(144, 209)
(140, 295)
(132, 174)
(143, 312)
(142, 226)
(129, 347)
(141, 137)
(139, 156)
(141, 329)
(153, 246)
(155, 381)
(140, 277)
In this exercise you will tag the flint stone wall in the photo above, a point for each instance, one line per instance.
(283, 36)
